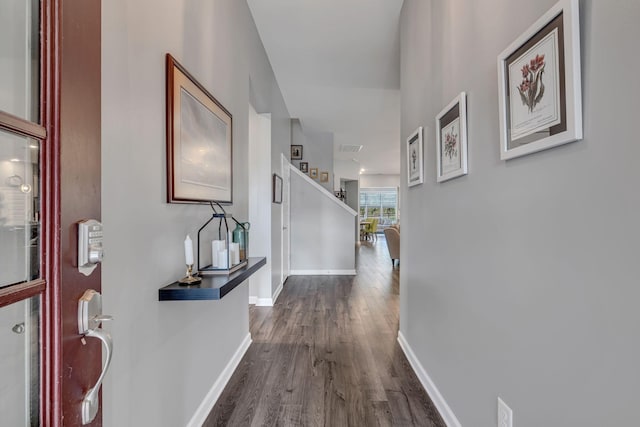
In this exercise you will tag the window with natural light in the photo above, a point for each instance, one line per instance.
(381, 203)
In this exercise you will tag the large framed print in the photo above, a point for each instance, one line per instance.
(539, 85)
(199, 141)
(451, 139)
(415, 158)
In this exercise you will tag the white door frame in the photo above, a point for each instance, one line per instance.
(285, 235)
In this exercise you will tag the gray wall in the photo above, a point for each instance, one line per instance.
(169, 354)
(520, 280)
(352, 193)
(344, 170)
(352, 199)
(379, 181)
(267, 98)
(322, 231)
(317, 151)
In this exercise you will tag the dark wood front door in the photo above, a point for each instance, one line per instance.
(50, 154)
(79, 195)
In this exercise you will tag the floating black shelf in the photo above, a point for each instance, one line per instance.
(212, 287)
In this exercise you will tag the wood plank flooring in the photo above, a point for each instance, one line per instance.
(326, 355)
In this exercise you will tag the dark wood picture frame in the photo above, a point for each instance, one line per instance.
(304, 167)
(277, 189)
(296, 152)
(199, 141)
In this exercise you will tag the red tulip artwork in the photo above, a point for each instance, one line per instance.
(532, 88)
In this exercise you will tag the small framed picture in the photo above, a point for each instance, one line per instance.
(324, 177)
(304, 167)
(296, 152)
(415, 165)
(451, 139)
(277, 189)
(539, 85)
(313, 173)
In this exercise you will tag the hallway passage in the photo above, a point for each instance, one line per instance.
(326, 355)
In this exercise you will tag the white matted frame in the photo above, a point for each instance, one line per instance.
(415, 158)
(451, 139)
(539, 84)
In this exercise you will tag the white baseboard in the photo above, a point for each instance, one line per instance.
(323, 272)
(445, 411)
(216, 390)
(276, 294)
(264, 302)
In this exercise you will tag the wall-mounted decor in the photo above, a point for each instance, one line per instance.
(199, 153)
(296, 152)
(324, 177)
(415, 158)
(277, 189)
(539, 84)
(304, 167)
(451, 139)
(313, 173)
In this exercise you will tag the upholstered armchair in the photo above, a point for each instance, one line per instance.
(392, 235)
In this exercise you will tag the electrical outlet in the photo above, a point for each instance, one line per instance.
(505, 415)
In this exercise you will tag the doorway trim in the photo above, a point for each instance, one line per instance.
(285, 221)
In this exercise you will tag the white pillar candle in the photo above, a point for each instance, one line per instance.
(223, 259)
(188, 250)
(235, 253)
(216, 246)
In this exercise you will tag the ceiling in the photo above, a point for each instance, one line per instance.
(338, 66)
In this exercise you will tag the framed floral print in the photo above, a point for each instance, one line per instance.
(539, 85)
(451, 139)
(415, 158)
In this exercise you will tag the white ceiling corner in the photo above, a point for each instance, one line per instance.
(338, 65)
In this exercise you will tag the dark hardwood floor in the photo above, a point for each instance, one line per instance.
(326, 355)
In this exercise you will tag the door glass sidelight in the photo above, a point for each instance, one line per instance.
(19, 363)
(19, 209)
(20, 53)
